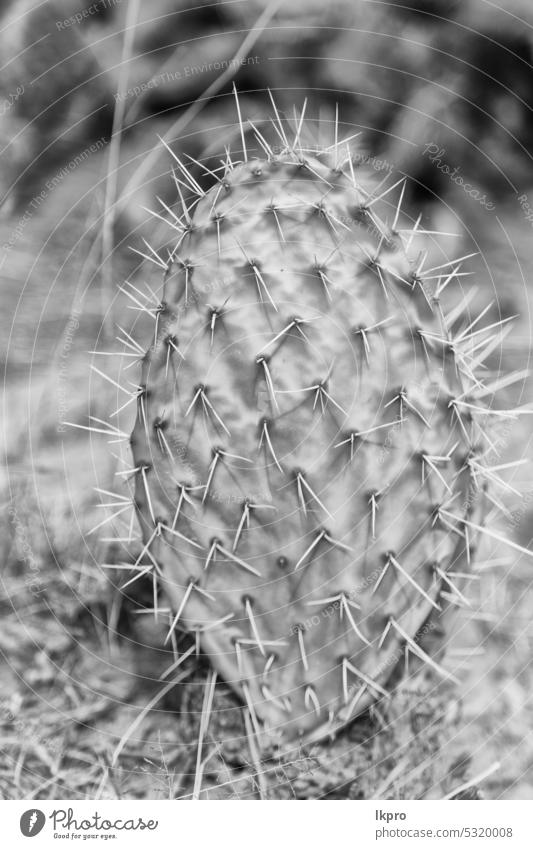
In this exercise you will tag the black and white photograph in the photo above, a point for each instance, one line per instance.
(266, 519)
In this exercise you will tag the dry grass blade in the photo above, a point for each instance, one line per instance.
(474, 781)
(144, 712)
(204, 723)
(113, 162)
(400, 769)
(256, 759)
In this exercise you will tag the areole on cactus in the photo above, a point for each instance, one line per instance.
(310, 449)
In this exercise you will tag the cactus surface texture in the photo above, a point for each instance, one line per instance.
(311, 437)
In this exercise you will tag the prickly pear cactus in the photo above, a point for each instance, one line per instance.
(310, 435)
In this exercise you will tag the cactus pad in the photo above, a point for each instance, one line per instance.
(309, 443)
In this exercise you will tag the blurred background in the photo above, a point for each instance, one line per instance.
(441, 91)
